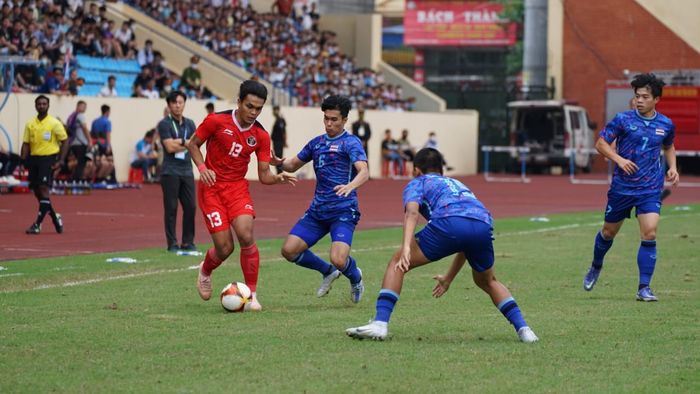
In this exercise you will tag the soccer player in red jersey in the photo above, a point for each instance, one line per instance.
(232, 137)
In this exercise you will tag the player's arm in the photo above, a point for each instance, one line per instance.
(361, 177)
(205, 175)
(410, 220)
(608, 151)
(672, 172)
(268, 178)
(444, 281)
(292, 165)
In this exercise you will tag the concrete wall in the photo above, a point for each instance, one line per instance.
(555, 46)
(457, 131)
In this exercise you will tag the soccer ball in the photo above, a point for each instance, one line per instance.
(234, 296)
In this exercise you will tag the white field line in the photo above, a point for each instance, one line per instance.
(279, 259)
(110, 214)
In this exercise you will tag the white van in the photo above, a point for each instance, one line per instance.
(551, 129)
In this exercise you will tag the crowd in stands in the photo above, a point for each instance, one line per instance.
(52, 33)
(284, 47)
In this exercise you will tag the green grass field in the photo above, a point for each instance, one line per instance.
(79, 324)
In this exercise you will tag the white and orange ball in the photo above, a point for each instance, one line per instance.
(234, 296)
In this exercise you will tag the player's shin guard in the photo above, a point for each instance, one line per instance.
(250, 265)
(600, 248)
(646, 261)
(509, 308)
(350, 271)
(44, 208)
(211, 261)
(310, 260)
(386, 301)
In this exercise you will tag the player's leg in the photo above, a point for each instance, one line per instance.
(504, 301)
(342, 229)
(296, 249)
(346, 264)
(617, 210)
(648, 216)
(223, 247)
(388, 296)
(250, 256)
(218, 225)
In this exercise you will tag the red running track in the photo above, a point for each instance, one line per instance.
(129, 219)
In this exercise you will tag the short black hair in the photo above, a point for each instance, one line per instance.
(252, 87)
(656, 85)
(150, 133)
(104, 108)
(172, 96)
(340, 103)
(41, 97)
(209, 105)
(428, 160)
(111, 77)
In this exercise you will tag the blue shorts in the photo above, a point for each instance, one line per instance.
(446, 236)
(620, 205)
(311, 229)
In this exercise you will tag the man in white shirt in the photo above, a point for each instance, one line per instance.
(110, 89)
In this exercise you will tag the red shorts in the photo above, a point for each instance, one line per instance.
(223, 202)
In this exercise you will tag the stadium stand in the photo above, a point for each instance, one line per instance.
(284, 51)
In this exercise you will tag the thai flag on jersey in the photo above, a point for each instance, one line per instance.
(660, 132)
(334, 148)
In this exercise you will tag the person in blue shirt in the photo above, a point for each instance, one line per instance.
(340, 164)
(638, 180)
(457, 223)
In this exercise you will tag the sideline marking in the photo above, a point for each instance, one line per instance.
(267, 260)
(110, 214)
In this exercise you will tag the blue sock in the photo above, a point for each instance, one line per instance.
(351, 272)
(600, 248)
(385, 304)
(509, 309)
(308, 259)
(646, 261)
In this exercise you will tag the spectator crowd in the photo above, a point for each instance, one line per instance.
(284, 47)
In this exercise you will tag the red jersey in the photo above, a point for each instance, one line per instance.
(229, 146)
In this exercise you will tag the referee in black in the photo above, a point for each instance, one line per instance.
(44, 148)
(177, 178)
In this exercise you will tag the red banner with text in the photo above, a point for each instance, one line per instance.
(456, 23)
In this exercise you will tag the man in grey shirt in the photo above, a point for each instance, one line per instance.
(177, 179)
(79, 137)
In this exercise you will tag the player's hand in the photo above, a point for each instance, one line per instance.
(276, 161)
(287, 178)
(441, 286)
(343, 190)
(55, 166)
(404, 263)
(672, 176)
(208, 177)
(627, 166)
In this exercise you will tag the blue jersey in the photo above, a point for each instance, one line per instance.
(440, 197)
(639, 139)
(334, 160)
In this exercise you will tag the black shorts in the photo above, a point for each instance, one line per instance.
(40, 172)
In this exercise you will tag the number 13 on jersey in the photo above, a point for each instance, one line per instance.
(236, 149)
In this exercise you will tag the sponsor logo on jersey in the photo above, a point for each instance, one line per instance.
(227, 131)
(251, 141)
(248, 206)
(633, 127)
(660, 132)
